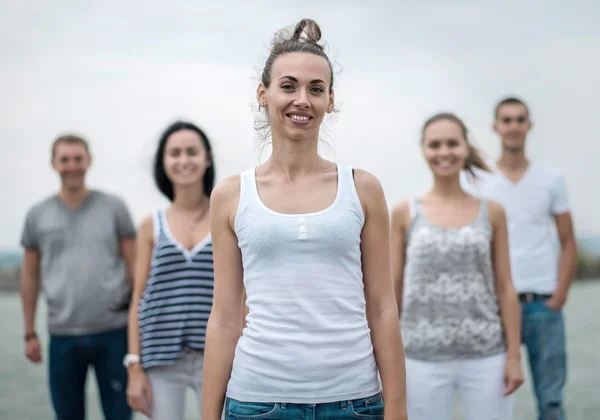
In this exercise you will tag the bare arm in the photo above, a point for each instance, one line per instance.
(399, 224)
(139, 393)
(128, 246)
(127, 234)
(30, 287)
(225, 323)
(245, 312)
(382, 312)
(568, 259)
(143, 249)
(507, 295)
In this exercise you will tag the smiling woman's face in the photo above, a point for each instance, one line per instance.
(298, 96)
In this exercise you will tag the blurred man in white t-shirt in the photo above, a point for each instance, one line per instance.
(534, 197)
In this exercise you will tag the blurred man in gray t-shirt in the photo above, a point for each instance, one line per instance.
(79, 247)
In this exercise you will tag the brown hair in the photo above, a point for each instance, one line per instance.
(510, 101)
(304, 38)
(475, 158)
(69, 139)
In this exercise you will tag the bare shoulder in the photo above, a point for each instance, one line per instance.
(401, 208)
(370, 193)
(225, 197)
(367, 184)
(496, 211)
(146, 227)
(226, 191)
(401, 213)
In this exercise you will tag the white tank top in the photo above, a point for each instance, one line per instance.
(307, 339)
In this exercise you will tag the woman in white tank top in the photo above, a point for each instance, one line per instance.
(308, 241)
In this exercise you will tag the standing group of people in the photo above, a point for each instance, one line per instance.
(288, 291)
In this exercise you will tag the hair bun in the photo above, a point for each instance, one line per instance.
(307, 30)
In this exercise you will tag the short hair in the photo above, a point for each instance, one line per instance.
(508, 101)
(69, 139)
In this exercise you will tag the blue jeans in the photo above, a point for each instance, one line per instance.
(544, 338)
(370, 408)
(69, 360)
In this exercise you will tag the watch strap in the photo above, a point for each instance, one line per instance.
(130, 359)
(30, 336)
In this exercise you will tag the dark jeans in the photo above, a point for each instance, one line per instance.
(370, 408)
(544, 338)
(69, 360)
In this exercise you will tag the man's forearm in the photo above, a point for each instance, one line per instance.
(567, 267)
(129, 274)
(128, 252)
(29, 296)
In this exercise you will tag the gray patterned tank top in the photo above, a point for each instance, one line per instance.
(449, 306)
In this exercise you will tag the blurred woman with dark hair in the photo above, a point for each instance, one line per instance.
(173, 289)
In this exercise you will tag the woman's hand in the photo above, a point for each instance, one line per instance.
(513, 375)
(139, 393)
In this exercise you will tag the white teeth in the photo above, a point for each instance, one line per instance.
(299, 117)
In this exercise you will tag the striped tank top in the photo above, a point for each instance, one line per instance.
(450, 309)
(177, 301)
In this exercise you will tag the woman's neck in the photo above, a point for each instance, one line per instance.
(447, 188)
(295, 157)
(189, 198)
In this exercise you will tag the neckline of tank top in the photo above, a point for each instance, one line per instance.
(478, 216)
(187, 252)
(338, 196)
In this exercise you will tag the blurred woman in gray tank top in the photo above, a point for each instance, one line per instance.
(458, 308)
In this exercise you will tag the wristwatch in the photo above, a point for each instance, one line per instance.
(30, 336)
(130, 359)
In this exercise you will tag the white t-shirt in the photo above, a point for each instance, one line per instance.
(530, 205)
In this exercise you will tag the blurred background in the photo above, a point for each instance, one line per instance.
(118, 73)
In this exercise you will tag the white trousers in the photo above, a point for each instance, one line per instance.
(169, 386)
(430, 389)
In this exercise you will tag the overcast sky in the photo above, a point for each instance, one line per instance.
(119, 72)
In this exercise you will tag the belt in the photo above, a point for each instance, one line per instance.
(531, 297)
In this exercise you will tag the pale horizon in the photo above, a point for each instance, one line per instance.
(119, 79)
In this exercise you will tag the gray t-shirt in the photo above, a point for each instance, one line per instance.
(83, 273)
